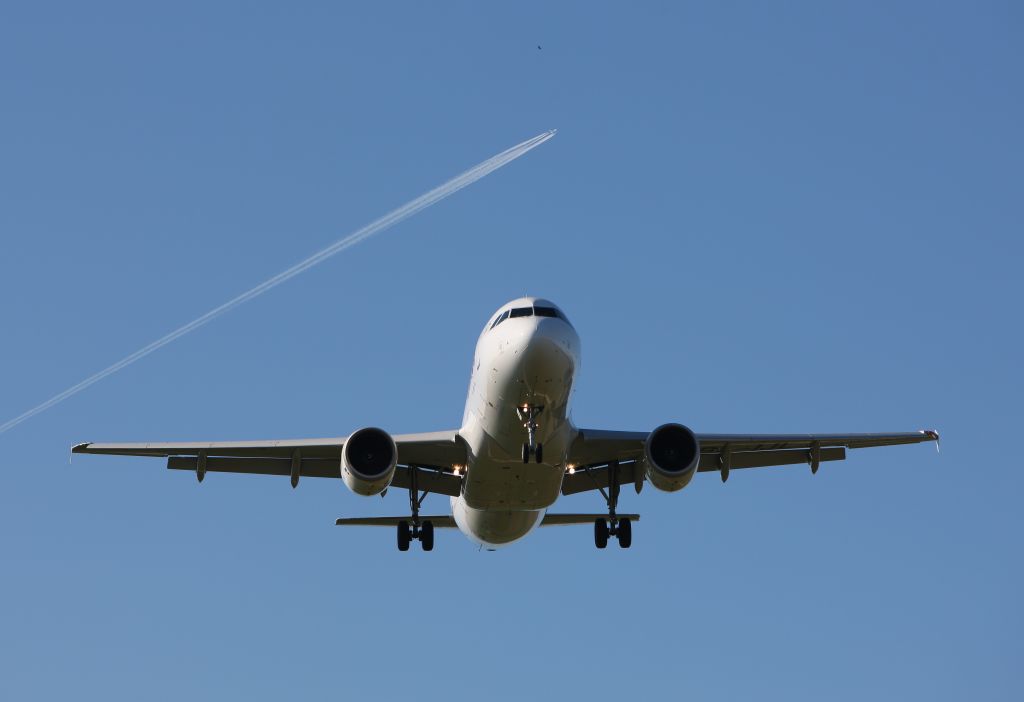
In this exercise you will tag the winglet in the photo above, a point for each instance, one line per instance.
(934, 436)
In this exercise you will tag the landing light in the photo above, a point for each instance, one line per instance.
(572, 470)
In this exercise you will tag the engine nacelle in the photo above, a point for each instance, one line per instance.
(671, 456)
(368, 461)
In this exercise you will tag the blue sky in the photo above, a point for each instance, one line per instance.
(759, 218)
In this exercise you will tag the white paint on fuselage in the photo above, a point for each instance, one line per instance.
(522, 361)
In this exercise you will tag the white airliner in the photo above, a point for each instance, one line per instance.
(517, 450)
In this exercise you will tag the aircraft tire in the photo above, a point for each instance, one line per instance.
(403, 536)
(427, 536)
(625, 533)
(600, 533)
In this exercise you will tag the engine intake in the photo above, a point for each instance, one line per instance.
(671, 456)
(368, 461)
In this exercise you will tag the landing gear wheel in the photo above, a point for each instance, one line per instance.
(526, 453)
(624, 533)
(427, 536)
(539, 453)
(600, 533)
(403, 536)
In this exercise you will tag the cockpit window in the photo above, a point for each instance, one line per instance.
(500, 319)
(530, 312)
(550, 312)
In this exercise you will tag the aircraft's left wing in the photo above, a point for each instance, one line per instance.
(594, 452)
(432, 455)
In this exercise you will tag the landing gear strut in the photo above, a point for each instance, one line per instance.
(528, 416)
(621, 529)
(417, 531)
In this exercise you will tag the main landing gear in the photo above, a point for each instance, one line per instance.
(417, 531)
(621, 529)
(528, 416)
(423, 532)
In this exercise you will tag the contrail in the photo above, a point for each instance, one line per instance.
(375, 227)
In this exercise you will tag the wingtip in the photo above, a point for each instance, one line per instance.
(77, 448)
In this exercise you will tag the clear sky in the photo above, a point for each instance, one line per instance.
(760, 217)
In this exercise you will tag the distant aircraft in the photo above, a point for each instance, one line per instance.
(517, 450)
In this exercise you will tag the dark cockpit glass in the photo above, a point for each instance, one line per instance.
(550, 312)
(500, 319)
(529, 312)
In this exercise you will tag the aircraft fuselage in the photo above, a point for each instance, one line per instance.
(523, 362)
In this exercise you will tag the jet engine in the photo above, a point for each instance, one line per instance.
(368, 461)
(671, 456)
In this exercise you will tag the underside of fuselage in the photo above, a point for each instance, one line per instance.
(492, 528)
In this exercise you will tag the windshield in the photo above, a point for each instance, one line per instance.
(539, 311)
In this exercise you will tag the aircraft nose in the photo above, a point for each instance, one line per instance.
(548, 353)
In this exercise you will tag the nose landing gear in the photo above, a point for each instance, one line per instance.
(528, 416)
(537, 452)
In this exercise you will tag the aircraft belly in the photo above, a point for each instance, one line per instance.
(493, 528)
(512, 485)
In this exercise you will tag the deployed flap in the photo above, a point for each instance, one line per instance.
(429, 480)
(764, 459)
(598, 478)
(308, 467)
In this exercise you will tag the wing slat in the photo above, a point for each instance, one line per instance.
(765, 459)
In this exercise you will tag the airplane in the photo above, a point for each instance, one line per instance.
(517, 450)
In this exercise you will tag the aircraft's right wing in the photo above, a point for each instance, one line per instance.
(594, 451)
(431, 455)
